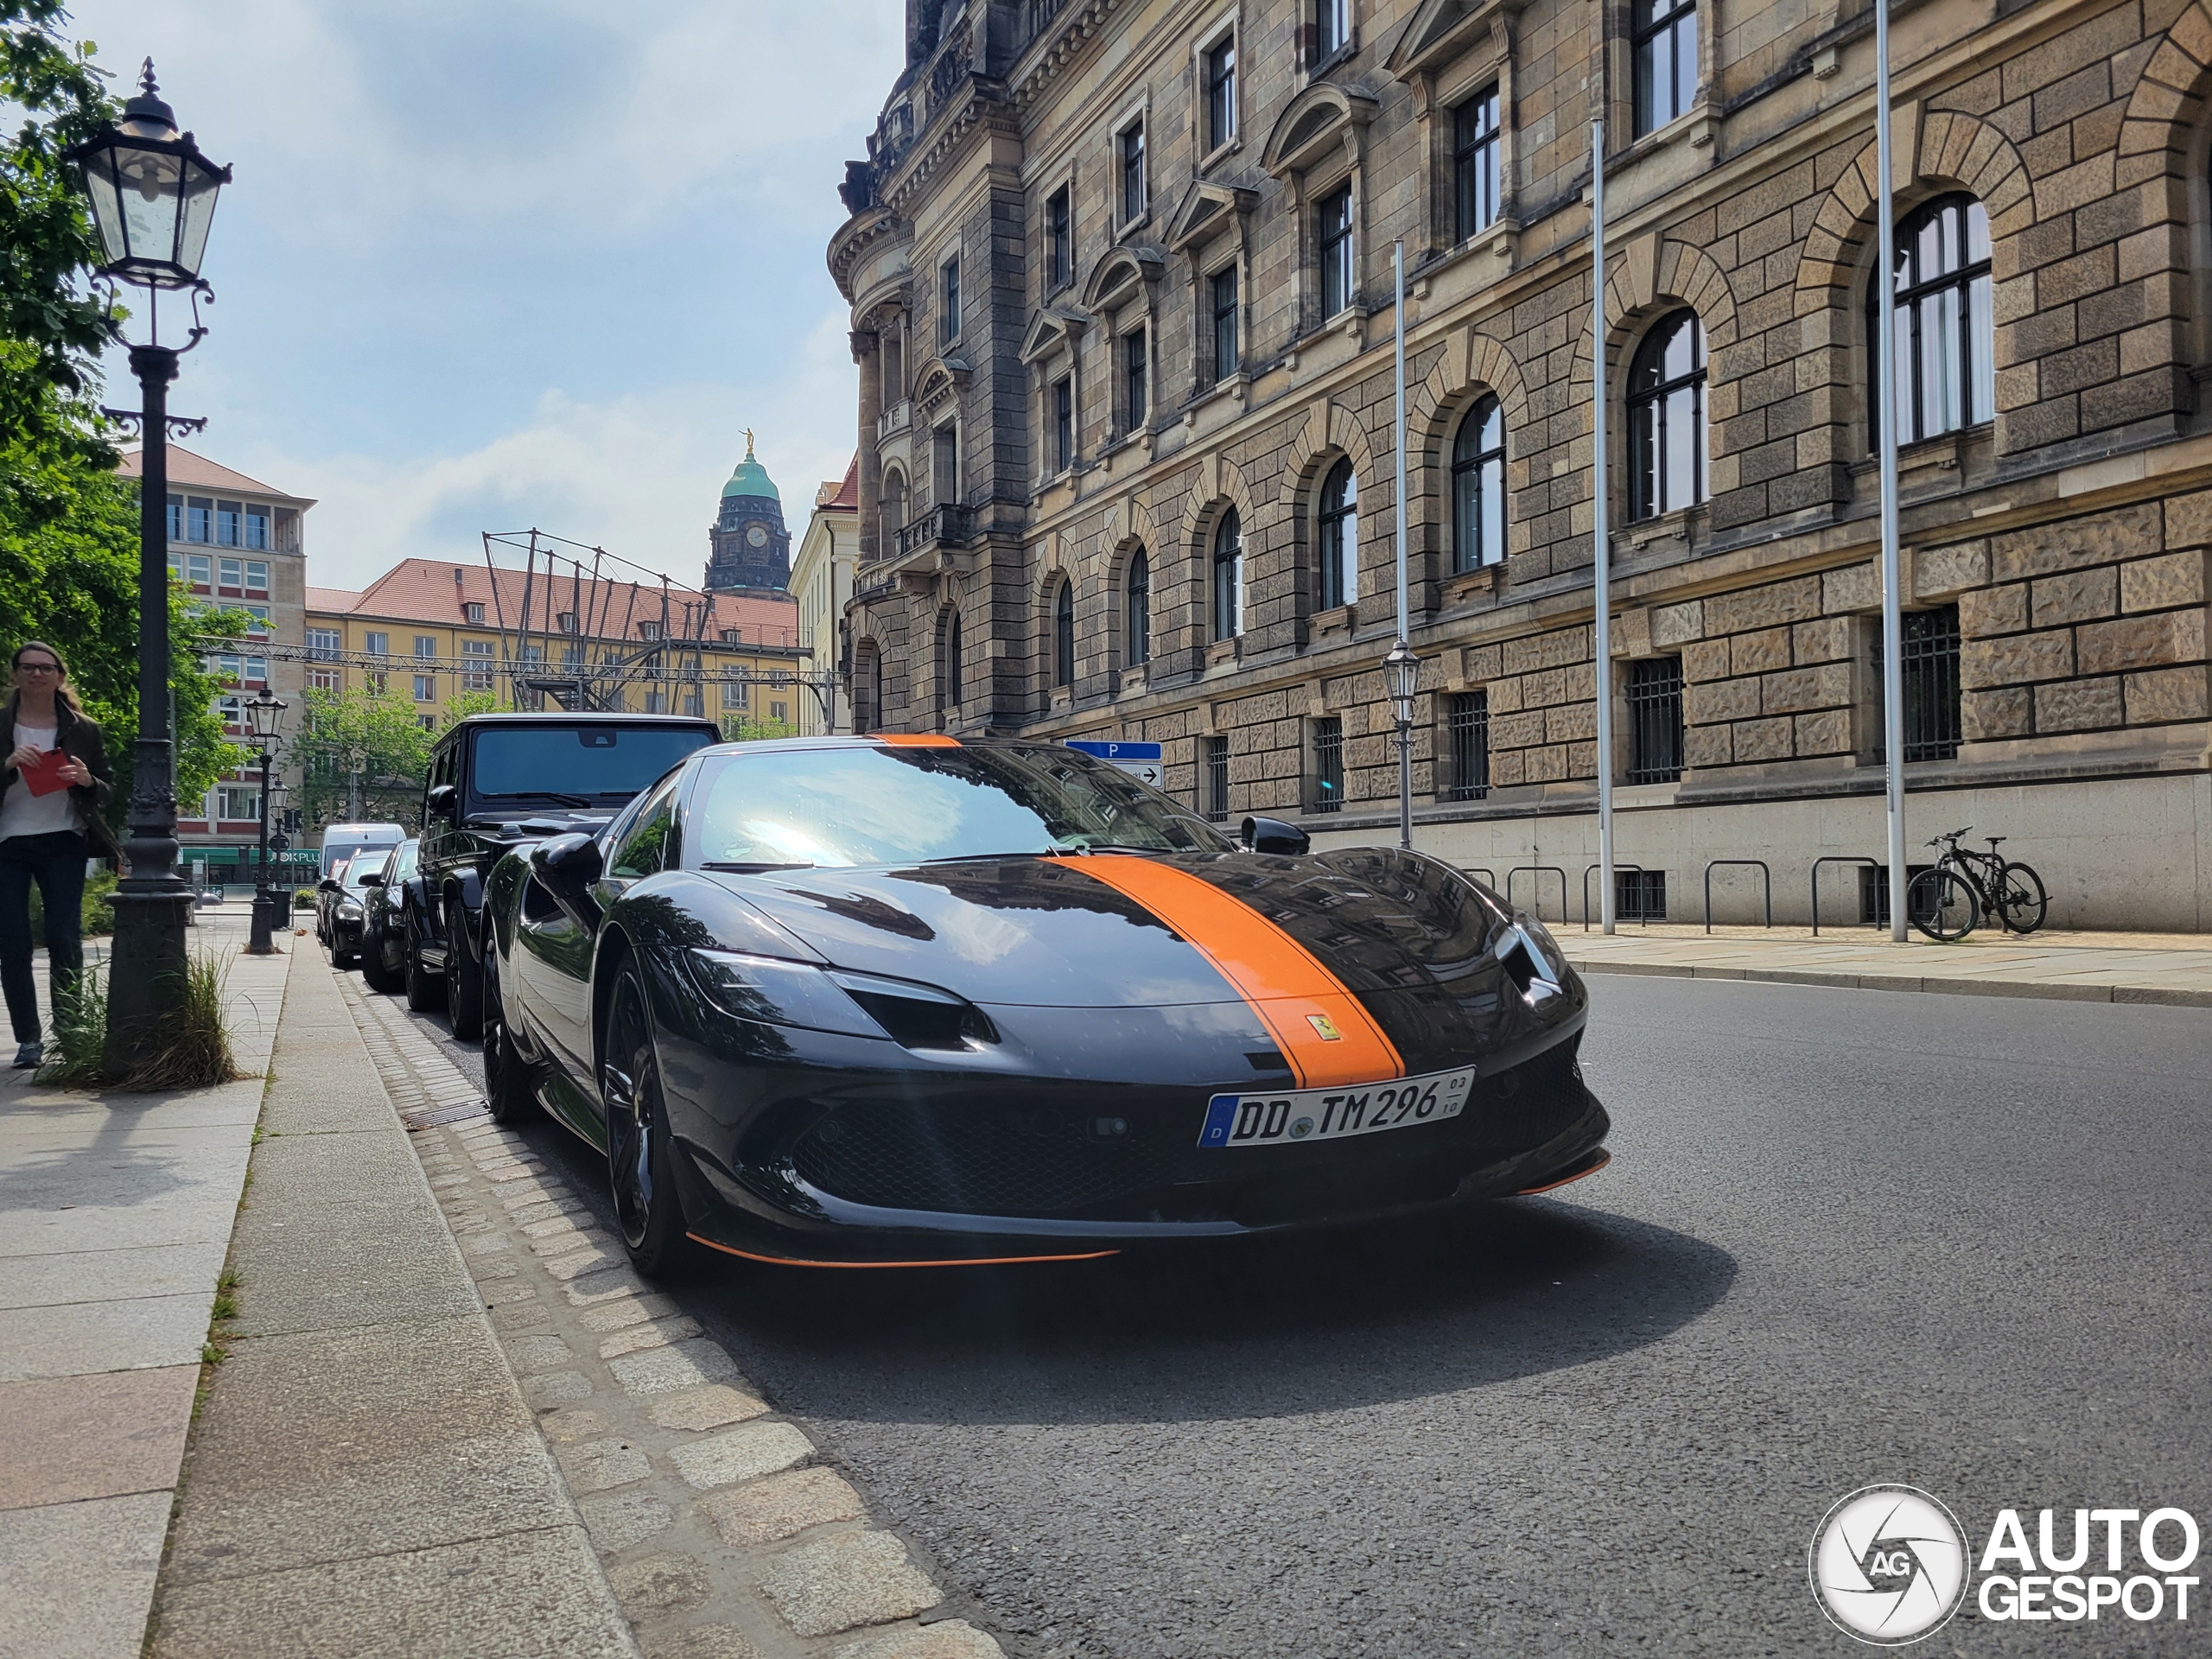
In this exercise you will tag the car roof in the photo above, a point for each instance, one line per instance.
(594, 717)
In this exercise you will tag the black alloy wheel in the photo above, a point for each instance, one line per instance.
(464, 977)
(508, 1091)
(379, 978)
(2021, 902)
(425, 990)
(1941, 905)
(638, 1162)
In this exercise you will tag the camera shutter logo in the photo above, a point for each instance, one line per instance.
(1889, 1565)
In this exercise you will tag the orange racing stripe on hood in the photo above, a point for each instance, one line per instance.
(916, 740)
(1287, 985)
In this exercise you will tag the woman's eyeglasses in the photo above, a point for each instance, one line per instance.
(38, 668)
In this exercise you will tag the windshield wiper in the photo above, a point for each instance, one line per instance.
(741, 867)
(539, 795)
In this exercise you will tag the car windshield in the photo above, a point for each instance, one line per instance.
(336, 851)
(403, 862)
(871, 804)
(368, 864)
(602, 763)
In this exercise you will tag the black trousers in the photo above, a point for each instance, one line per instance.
(56, 862)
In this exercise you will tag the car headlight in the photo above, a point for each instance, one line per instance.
(780, 992)
(1555, 958)
(349, 911)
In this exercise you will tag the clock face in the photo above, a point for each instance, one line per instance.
(757, 536)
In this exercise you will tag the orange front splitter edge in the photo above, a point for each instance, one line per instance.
(976, 1262)
(1600, 1158)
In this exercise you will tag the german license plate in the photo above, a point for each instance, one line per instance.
(1302, 1115)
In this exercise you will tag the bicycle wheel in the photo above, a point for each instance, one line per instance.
(1941, 905)
(2021, 902)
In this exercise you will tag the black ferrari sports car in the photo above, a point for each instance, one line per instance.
(903, 999)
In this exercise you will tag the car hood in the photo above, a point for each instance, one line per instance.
(1044, 931)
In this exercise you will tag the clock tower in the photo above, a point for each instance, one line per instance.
(748, 545)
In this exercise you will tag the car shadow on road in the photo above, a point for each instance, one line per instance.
(1245, 1328)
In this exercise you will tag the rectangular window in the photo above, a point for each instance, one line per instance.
(1134, 390)
(1328, 765)
(1665, 45)
(426, 688)
(474, 611)
(1331, 27)
(1224, 289)
(1467, 738)
(256, 529)
(1655, 709)
(733, 636)
(322, 645)
(567, 620)
(1063, 424)
(1640, 895)
(1221, 91)
(260, 624)
(1133, 178)
(227, 528)
(694, 704)
(649, 630)
(426, 647)
(571, 656)
(476, 664)
(780, 712)
(257, 575)
(377, 642)
(1059, 239)
(257, 670)
(322, 679)
(1474, 162)
(376, 682)
(656, 702)
(737, 693)
(199, 519)
(948, 317)
(231, 710)
(236, 804)
(230, 575)
(1931, 663)
(1332, 244)
(176, 517)
(200, 570)
(944, 464)
(1216, 779)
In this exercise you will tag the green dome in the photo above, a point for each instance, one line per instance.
(751, 478)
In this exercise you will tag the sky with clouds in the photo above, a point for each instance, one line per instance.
(486, 265)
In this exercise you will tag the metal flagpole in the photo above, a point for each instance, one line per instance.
(1886, 379)
(1403, 703)
(1602, 673)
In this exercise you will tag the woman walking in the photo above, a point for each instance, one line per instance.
(50, 785)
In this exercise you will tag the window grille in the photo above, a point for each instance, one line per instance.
(1328, 765)
(1640, 895)
(1929, 663)
(1474, 161)
(1332, 244)
(1655, 707)
(1467, 732)
(1944, 326)
(1664, 32)
(1666, 418)
(1216, 775)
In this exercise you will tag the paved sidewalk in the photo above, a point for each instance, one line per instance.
(2171, 968)
(115, 1213)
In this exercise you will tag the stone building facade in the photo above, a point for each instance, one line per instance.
(1121, 281)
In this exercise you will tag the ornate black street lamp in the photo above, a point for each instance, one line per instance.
(1400, 679)
(153, 198)
(264, 716)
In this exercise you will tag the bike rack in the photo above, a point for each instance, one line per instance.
(1617, 868)
(1766, 884)
(1840, 859)
(1488, 874)
(1538, 870)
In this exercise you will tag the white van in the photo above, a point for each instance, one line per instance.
(341, 841)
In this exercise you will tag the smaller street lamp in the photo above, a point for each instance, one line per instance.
(1401, 677)
(264, 718)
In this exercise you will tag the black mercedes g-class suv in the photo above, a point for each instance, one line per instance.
(496, 780)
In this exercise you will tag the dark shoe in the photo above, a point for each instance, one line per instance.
(29, 1055)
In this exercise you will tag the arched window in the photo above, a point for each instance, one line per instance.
(1138, 650)
(1666, 418)
(950, 678)
(1228, 577)
(1942, 329)
(1337, 545)
(894, 511)
(1064, 634)
(1479, 486)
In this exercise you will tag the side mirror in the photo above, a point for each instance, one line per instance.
(372, 880)
(567, 865)
(1273, 835)
(328, 884)
(441, 801)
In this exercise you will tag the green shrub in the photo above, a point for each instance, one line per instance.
(304, 899)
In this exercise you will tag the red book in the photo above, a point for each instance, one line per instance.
(45, 777)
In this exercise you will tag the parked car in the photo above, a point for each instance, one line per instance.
(906, 1001)
(326, 892)
(348, 894)
(383, 937)
(341, 841)
(497, 781)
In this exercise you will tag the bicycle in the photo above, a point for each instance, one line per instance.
(1947, 902)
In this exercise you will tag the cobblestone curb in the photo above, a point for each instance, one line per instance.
(722, 1537)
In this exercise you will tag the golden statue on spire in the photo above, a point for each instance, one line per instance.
(749, 443)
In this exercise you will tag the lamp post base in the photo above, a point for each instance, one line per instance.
(146, 973)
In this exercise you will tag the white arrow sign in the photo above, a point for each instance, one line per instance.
(1145, 772)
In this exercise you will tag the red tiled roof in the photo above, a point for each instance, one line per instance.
(845, 495)
(197, 472)
(330, 600)
(433, 590)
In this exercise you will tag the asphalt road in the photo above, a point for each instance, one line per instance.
(1847, 1237)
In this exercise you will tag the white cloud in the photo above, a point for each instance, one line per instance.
(639, 476)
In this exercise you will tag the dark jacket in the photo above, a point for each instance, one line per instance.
(78, 736)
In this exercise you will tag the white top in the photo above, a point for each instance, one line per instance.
(22, 813)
